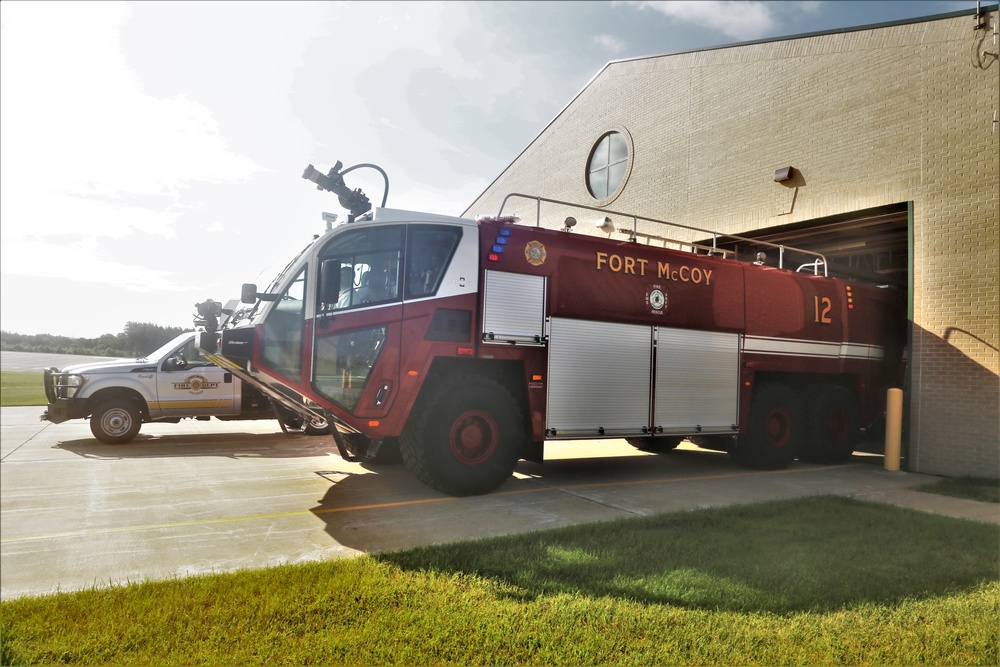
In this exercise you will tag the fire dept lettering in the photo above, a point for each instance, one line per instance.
(195, 384)
(681, 273)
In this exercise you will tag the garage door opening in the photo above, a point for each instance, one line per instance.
(870, 245)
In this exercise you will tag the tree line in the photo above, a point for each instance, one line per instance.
(137, 340)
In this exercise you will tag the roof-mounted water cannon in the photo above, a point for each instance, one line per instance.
(355, 200)
(208, 315)
(212, 315)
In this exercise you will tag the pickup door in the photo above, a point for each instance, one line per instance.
(188, 385)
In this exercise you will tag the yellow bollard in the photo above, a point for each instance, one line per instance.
(893, 427)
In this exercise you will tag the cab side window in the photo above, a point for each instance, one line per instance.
(369, 263)
(429, 249)
(193, 357)
(185, 358)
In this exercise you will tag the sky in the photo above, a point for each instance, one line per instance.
(151, 153)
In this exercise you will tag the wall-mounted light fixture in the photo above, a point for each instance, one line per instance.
(782, 174)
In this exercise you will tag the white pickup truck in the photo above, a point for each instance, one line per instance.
(174, 382)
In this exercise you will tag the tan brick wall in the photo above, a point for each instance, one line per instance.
(872, 117)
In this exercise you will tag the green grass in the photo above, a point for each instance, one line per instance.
(824, 581)
(22, 388)
(973, 488)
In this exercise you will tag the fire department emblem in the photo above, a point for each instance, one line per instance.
(534, 252)
(657, 300)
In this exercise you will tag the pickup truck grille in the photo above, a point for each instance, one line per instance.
(57, 385)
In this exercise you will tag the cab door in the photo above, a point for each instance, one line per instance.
(356, 329)
(189, 385)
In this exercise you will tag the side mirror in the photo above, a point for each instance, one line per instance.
(175, 364)
(248, 293)
(329, 281)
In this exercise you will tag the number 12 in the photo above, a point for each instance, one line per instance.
(822, 307)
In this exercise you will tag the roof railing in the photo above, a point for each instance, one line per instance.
(635, 233)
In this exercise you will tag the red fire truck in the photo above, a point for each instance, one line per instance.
(465, 345)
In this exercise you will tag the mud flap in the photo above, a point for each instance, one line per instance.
(341, 447)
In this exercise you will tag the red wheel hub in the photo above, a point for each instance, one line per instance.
(777, 428)
(836, 426)
(473, 437)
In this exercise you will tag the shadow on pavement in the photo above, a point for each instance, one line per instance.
(228, 445)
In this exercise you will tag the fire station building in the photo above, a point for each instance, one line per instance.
(877, 146)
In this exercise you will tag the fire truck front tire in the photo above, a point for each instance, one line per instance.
(115, 422)
(464, 436)
(833, 424)
(774, 430)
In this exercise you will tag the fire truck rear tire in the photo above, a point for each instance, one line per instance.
(833, 424)
(463, 438)
(115, 421)
(659, 445)
(774, 429)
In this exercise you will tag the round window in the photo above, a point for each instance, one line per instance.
(608, 166)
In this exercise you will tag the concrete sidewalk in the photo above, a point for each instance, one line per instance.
(959, 508)
(199, 497)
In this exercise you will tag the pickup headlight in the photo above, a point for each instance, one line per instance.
(66, 385)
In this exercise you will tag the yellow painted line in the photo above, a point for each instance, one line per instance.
(402, 503)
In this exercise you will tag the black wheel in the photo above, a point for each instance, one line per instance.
(464, 437)
(292, 421)
(833, 425)
(317, 426)
(115, 422)
(716, 443)
(656, 444)
(774, 430)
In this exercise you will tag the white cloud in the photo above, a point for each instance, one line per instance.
(739, 20)
(78, 129)
(609, 43)
(83, 261)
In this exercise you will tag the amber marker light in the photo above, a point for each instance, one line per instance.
(374, 422)
(412, 374)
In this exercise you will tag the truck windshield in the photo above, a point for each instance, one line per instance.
(166, 348)
(282, 349)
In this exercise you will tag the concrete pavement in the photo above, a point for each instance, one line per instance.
(198, 497)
